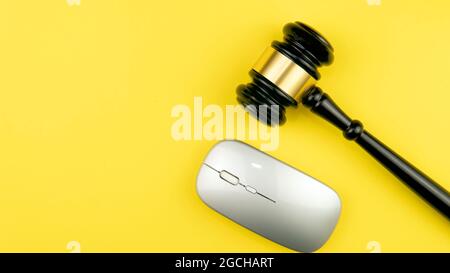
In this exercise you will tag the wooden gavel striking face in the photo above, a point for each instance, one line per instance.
(284, 72)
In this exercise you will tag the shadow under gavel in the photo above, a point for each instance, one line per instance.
(286, 74)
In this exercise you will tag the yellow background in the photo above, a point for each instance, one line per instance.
(86, 93)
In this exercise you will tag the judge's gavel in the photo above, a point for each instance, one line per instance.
(286, 74)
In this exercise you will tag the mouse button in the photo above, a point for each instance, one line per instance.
(206, 179)
(230, 155)
(228, 177)
(310, 189)
(267, 177)
(298, 188)
(224, 153)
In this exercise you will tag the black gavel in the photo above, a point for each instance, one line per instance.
(287, 72)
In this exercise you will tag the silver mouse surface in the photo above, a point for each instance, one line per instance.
(268, 196)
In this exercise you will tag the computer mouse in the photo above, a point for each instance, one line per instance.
(268, 196)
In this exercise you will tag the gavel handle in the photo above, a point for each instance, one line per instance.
(321, 104)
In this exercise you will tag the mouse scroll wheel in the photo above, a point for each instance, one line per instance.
(230, 178)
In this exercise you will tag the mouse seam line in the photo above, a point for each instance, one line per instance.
(209, 166)
(268, 198)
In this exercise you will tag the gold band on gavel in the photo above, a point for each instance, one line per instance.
(283, 72)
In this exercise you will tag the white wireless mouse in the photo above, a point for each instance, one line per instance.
(268, 196)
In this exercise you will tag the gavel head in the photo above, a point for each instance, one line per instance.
(284, 72)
